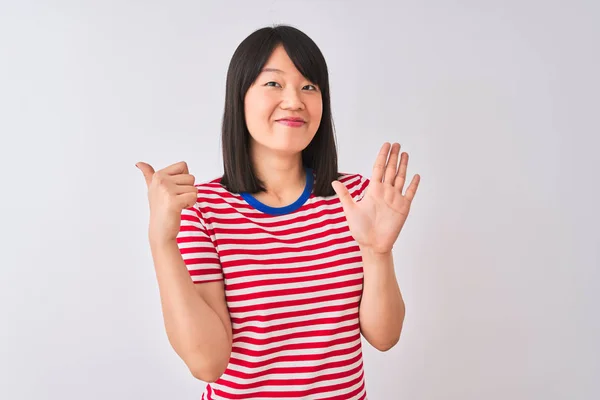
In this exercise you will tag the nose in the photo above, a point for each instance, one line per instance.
(292, 100)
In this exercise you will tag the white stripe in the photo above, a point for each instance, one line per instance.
(291, 275)
(325, 371)
(303, 307)
(301, 296)
(293, 388)
(316, 281)
(300, 329)
(298, 340)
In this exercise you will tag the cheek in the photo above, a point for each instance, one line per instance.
(316, 112)
(253, 113)
(258, 110)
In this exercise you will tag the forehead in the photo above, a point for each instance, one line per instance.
(279, 62)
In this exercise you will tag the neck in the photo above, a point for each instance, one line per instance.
(281, 179)
(284, 178)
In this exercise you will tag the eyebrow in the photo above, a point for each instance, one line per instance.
(272, 70)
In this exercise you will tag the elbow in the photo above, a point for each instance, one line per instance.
(385, 346)
(207, 367)
(207, 370)
(386, 341)
(382, 343)
(208, 375)
(204, 376)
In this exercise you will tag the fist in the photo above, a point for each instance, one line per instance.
(170, 190)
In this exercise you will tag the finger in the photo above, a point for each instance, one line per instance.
(182, 189)
(380, 161)
(177, 168)
(187, 200)
(183, 179)
(412, 188)
(392, 165)
(401, 177)
(147, 170)
(344, 195)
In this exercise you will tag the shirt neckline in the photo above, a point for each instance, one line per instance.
(285, 209)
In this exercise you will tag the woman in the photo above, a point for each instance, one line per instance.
(290, 261)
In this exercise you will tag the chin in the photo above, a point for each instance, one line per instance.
(285, 143)
(289, 150)
(288, 147)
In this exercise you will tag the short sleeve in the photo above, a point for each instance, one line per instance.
(197, 248)
(358, 187)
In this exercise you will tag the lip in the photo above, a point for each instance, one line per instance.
(294, 119)
(291, 121)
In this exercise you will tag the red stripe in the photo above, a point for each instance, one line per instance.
(277, 250)
(293, 270)
(299, 324)
(296, 346)
(298, 279)
(289, 260)
(294, 358)
(292, 291)
(293, 370)
(292, 303)
(292, 314)
(290, 394)
(295, 335)
(243, 240)
(291, 381)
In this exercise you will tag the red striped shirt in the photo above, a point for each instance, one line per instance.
(293, 279)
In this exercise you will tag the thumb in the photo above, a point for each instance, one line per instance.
(344, 195)
(147, 170)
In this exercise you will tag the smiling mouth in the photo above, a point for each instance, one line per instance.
(295, 123)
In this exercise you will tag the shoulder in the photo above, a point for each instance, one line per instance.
(212, 192)
(211, 196)
(212, 186)
(355, 183)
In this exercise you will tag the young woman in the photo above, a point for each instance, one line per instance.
(290, 261)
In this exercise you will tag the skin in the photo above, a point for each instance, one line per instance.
(375, 222)
(276, 150)
(196, 318)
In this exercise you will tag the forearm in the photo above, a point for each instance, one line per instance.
(382, 307)
(194, 329)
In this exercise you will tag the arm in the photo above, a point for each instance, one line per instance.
(381, 311)
(375, 217)
(195, 315)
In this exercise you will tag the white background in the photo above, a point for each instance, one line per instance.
(496, 102)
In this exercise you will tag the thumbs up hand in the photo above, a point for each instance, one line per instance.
(170, 190)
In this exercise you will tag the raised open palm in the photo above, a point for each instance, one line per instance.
(376, 221)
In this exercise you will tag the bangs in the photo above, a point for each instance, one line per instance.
(307, 58)
(302, 50)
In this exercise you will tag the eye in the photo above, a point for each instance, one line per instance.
(272, 84)
(312, 87)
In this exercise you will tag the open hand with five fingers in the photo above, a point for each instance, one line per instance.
(170, 190)
(376, 221)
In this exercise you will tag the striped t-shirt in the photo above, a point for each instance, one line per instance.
(293, 280)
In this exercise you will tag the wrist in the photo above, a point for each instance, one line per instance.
(374, 252)
(157, 240)
(372, 256)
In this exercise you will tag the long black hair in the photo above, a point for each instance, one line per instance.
(246, 64)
